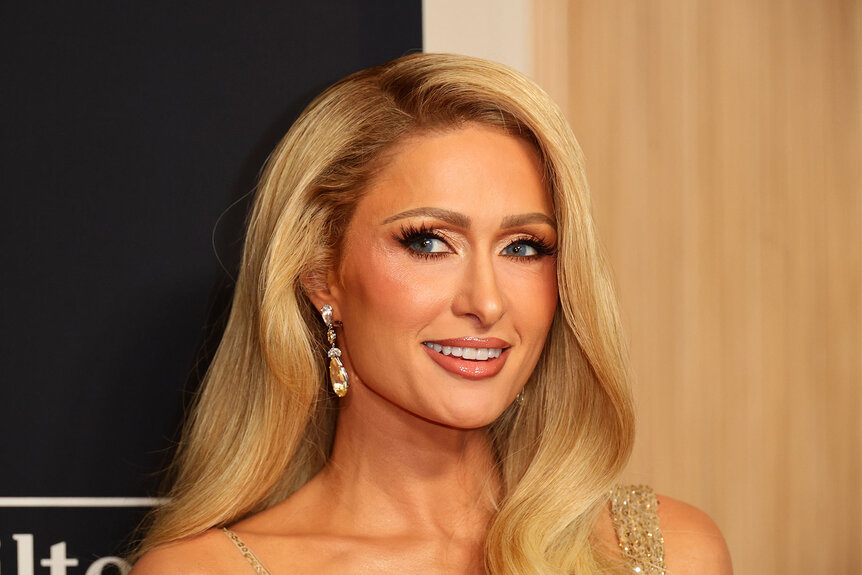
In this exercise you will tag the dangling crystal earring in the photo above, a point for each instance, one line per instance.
(337, 373)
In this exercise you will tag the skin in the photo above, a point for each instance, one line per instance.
(391, 299)
(410, 480)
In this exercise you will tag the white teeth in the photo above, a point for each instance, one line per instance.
(474, 353)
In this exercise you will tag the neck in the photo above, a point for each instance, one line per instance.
(395, 471)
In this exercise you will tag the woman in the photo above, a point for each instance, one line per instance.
(423, 370)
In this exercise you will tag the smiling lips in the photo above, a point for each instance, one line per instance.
(469, 357)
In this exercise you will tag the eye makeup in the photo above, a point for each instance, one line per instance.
(428, 242)
(420, 241)
(541, 247)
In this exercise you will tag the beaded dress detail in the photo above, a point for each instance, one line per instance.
(635, 515)
(246, 552)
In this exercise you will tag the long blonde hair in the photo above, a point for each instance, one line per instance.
(264, 419)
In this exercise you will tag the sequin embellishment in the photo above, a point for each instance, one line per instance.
(635, 516)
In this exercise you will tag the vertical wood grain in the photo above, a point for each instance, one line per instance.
(724, 144)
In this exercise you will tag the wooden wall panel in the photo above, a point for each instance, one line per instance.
(723, 144)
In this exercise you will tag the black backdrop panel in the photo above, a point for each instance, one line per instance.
(126, 130)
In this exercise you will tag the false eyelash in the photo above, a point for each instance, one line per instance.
(540, 245)
(409, 233)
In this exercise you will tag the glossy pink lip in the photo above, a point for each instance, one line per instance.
(469, 368)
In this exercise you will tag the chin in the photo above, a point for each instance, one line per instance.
(471, 415)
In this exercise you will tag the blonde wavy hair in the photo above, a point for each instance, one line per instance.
(264, 419)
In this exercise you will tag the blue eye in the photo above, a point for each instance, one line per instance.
(428, 245)
(522, 249)
(423, 241)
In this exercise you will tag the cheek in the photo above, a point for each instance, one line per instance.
(550, 291)
(535, 295)
(382, 286)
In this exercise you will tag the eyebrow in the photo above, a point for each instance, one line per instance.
(448, 216)
(524, 219)
(460, 220)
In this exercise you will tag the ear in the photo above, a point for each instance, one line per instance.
(323, 289)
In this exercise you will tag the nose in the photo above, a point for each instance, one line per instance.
(479, 295)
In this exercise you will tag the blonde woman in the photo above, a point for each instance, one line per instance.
(423, 370)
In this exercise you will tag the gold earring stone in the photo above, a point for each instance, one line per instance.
(337, 373)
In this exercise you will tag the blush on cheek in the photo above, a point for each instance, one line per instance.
(537, 291)
(387, 281)
(551, 293)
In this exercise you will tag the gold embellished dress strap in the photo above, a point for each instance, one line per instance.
(634, 509)
(246, 552)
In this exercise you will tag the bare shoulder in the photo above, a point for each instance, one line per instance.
(210, 553)
(692, 541)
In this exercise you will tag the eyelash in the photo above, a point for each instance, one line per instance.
(410, 234)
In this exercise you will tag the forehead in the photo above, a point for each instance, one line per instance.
(480, 171)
